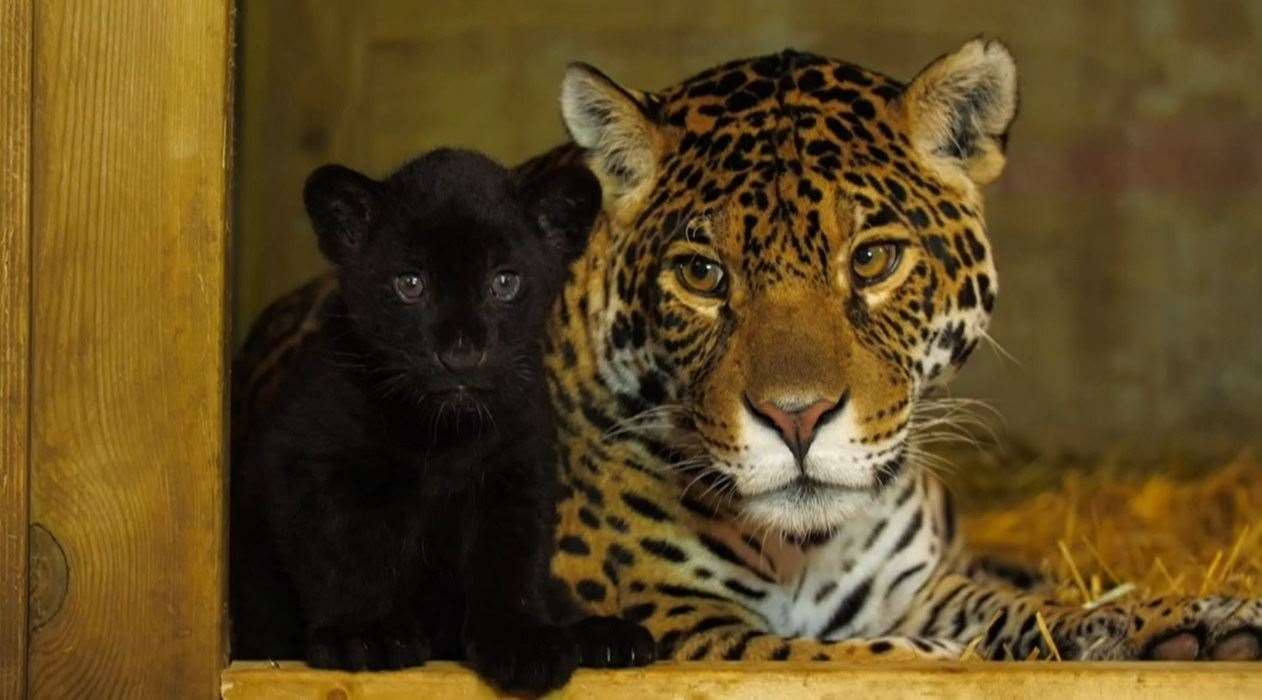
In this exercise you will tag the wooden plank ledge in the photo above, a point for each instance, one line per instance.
(783, 681)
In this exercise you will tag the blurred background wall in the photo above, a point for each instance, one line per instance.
(1127, 227)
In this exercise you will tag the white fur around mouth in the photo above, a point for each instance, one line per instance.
(804, 508)
(806, 487)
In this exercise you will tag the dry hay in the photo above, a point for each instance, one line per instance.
(1106, 531)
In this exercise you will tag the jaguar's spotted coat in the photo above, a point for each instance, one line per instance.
(741, 460)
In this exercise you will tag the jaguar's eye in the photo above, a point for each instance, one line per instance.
(410, 287)
(701, 275)
(505, 285)
(873, 262)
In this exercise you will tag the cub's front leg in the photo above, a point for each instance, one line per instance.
(509, 638)
(387, 645)
(347, 578)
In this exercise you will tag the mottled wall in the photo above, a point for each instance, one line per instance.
(1128, 225)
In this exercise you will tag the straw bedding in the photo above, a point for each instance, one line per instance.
(1117, 531)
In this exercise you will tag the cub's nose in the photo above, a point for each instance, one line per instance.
(462, 356)
(796, 422)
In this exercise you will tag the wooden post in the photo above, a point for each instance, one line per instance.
(15, 283)
(131, 115)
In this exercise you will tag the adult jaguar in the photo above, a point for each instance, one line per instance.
(792, 253)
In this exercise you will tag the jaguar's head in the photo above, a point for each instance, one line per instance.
(796, 251)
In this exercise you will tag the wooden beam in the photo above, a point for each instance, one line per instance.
(129, 204)
(15, 306)
(782, 681)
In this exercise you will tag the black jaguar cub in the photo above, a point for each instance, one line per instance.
(408, 469)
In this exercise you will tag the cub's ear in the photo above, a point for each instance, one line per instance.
(960, 107)
(564, 203)
(344, 205)
(618, 128)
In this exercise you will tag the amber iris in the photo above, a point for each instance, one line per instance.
(873, 262)
(701, 275)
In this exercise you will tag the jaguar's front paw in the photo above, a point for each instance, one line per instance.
(521, 657)
(611, 642)
(1168, 629)
(374, 649)
(1218, 629)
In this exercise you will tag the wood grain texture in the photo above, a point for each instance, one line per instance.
(1038, 681)
(130, 138)
(15, 283)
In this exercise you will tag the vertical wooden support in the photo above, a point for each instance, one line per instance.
(15, 286)
(131, 116)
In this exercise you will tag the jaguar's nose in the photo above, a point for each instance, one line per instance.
(797, 422)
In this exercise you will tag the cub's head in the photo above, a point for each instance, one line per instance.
(448, 269)
(798, 252)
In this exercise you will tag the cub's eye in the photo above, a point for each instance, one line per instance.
(505, 285)
(410, 287)
(873, 262)
(701, 275)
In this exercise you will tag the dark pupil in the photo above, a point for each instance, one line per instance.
(411, 282)
(866, 255)
(701, 269)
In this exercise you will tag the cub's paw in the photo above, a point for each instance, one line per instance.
(611, 642)
(376, 649)
(1168, 629)
(516, 657)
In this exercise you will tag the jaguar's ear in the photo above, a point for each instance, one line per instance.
(960, 107)
(564, 203)
(617, 127)
(344, 206)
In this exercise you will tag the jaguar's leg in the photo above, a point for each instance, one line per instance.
(1183, 629)
(704, 629)
(995, 619)
(1001, 622)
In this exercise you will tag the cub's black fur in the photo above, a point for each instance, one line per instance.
(407, 470)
